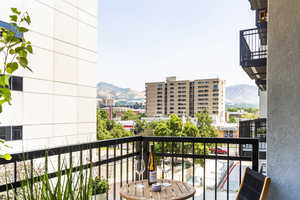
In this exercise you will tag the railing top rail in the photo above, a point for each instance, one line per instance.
(104, 143)
(67, 149)
(200, 140)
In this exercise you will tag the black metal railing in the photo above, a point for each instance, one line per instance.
(216, 174)
(253, 48)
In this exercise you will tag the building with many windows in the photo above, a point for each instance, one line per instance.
(186, 98)
(56, 103)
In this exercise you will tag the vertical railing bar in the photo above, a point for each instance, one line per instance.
(172, 149)
(182, 162)
(240, 163)
(31, 176)
(127, 162)
(163, 160)
(216, 170)
(193, 151)
(59, 162)
(255, 155)
(99, 159)
(107, 168)
(91, 161)
(121, 167)
(227, 171)
(132, 163)
(81, 158)
(114, 171)
(15, 179)
(204, 169)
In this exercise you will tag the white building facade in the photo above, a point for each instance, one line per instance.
(57, 102)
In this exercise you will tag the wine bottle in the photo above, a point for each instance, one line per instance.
(152, 173)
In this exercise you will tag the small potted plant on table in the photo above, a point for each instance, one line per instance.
(99, 188)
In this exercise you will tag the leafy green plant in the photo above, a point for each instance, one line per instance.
(99, 186)
(15, 49)
(70, 183)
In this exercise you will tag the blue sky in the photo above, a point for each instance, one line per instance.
(146, 40)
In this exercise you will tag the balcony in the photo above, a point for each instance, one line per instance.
(253, 54)
(214, 174)
(254, 129)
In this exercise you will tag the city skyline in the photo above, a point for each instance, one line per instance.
(171, 38)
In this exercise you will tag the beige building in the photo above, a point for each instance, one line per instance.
(186, 98)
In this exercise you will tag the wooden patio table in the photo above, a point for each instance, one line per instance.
(177, 191)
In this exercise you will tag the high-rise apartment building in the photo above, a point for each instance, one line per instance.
(56, 103)
(186, 98)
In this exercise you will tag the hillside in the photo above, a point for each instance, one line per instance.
(236, 95)
(245, 95)
(105, 90)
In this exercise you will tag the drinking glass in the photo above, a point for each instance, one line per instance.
(140, 169)
(165, 168)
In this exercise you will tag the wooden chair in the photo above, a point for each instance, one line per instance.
(255, 186)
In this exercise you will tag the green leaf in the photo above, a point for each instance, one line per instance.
(12, 51)
(13, 18)
(29, 48)
(23, 61)
(11, 67)
(1, 48)
(27, 19)
(15, 10)
(6, 156)
(22, 53)
(23, 29)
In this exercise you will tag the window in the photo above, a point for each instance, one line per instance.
(203, 99)
(10, 133)
(16, 83)
(215, 94)
(228, 134)
(203, 86)
(202, 95)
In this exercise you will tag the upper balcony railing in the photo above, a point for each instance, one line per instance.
(198, 161)
(253, 48)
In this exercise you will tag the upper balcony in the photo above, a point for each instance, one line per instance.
(253, 54)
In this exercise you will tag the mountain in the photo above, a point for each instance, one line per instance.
(241, 95)
(235, 95)
(105, 90)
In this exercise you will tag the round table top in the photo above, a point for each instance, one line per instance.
(177, 191)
